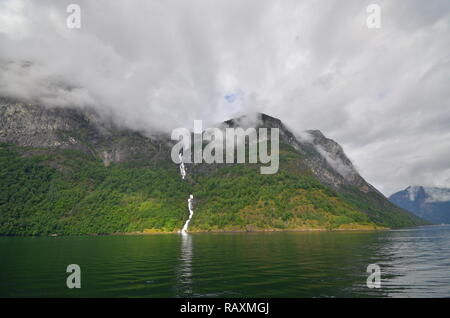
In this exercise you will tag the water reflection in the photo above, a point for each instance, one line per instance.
(184, 274)
(414, 262)
(417, 263)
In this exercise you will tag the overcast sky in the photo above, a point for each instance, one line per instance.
(383, 94)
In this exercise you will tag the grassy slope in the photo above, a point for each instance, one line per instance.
(71, 193)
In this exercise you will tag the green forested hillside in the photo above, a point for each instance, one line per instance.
(46, 192)
(239, 197)
(71, 193)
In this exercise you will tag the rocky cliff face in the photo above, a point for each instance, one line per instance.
(87, 131)
(332, 165)
(432, 204)
(82, 130)
(323, 156)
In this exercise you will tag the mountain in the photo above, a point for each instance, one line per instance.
(432, 204)
(72, 171)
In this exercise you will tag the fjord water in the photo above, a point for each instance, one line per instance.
(414, 263)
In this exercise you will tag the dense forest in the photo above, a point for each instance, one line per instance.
(72, 193)
(66, 192)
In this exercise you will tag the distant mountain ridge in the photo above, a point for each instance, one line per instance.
(429, 203)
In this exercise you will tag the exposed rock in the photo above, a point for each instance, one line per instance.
(85, 130)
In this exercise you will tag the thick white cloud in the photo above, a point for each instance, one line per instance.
(155, 65)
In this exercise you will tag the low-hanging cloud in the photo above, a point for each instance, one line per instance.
(156, 65)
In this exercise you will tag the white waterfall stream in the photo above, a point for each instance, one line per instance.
(182, 169)
(191, 213)
(191, 197)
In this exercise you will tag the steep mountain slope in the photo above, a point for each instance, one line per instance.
(432, 204)
(68, 171)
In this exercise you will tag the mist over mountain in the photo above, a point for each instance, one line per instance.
(153, 66)
(87, 131)
(429, 203)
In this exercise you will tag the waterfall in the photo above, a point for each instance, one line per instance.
(191, 213)
(182, 169)
(191, 197)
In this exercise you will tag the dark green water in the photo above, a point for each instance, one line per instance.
(328, 264)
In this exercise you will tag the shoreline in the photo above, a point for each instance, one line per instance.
(143, 233)
(258, 231)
